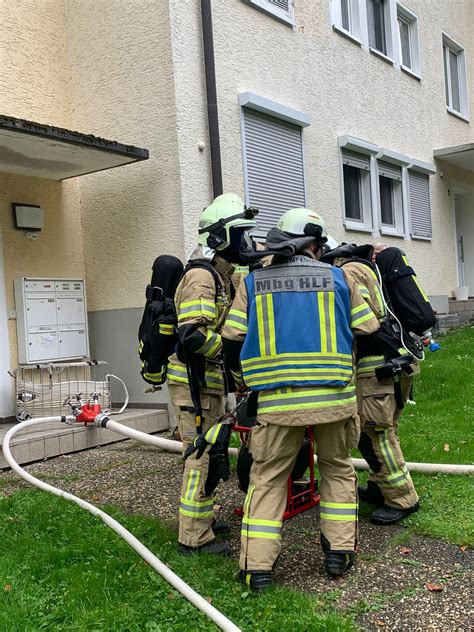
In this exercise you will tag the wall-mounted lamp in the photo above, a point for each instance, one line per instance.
(27, 216)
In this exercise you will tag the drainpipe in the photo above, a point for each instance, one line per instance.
(211, 90)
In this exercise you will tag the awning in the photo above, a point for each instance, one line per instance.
(33, 149)
(458, 155)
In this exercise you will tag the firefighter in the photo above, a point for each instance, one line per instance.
(289, 337)
(390, 487)
(202, 300)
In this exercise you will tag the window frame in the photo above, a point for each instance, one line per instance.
(268, 7)
(449, 45)
(366, 225)
(389, 18)
(354, 32)
(398, 227)
(411, 20)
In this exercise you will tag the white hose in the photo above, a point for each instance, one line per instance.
(359, 464)
(191, 595)
(127, 397)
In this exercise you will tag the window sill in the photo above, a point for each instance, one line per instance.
(410, 72)
(391, 232)
(456, 114)
(279, 14)
(377, 53)
(421, 238)
(347, 35)
(357, 228)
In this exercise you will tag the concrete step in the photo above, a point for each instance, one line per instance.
(447, 322)
(54, 439)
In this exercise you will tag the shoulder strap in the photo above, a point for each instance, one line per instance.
(204, 265)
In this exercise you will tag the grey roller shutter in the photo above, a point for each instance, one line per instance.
(274, 167)
(389, 171)
(420, 208)
(353, 159)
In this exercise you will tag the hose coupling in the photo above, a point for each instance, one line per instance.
(101, 420)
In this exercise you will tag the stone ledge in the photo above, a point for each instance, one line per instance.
(55, 439)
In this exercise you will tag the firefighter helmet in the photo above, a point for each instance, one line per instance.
(226, 211)
(301, 222)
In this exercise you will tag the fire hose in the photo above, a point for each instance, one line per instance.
(170, 445)
(191, 595)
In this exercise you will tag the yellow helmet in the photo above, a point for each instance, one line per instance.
(226, 211)
(302, 222)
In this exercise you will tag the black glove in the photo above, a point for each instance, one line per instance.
(218, 436)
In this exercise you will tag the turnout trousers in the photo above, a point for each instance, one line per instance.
(379, 442)
(196, 513)
(274, 449)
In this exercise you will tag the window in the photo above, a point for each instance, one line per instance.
(408, 39)
(274, 167)
(419, 201)
(376, 16)
(281, 9)
(346, 18)
(390, 198)
(356, 182)
(455, 77)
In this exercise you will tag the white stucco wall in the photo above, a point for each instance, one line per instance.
(34, 85)
(346, 90)
(122, 87)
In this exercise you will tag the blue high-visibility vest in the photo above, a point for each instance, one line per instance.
(299, 330)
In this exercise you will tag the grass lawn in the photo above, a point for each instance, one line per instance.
(439, 429)
(62, 569)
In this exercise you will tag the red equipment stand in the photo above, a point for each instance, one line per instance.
(301, 495)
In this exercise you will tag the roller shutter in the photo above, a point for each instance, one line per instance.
(274, 167)
(420, 208)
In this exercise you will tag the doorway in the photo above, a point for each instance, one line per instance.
(464, 222)
(6, 396)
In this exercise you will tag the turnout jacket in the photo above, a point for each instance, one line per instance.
(369, 357)
(201, 309)
(289, 335)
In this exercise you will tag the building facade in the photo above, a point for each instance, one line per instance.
(360, 109)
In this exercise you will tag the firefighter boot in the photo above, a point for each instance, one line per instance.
(337, 562)
(391, 515)
(212, 548)
(371, 493)
(219, 527)
(257, 581)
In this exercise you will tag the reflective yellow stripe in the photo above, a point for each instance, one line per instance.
(262, 522)
(303, 399)
(341, 518)
(237, 319)
(260, 325)
(177, 373)
(298, 375)
(362, 319)
(248, 498)
(199, 308)
(271, 324)
(166, 330)
(250, 533)
(193, 482)
(422, 292)
(211, 345)
(198, 302)
(322, 321)
(332, 322)
(326, 503)
(307, 358)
